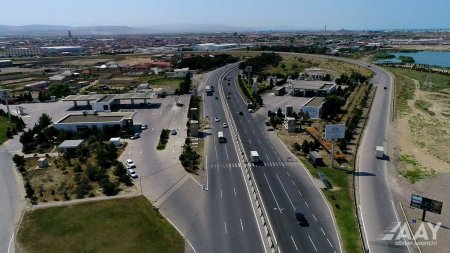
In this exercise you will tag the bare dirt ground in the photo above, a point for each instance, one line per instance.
(423, 135)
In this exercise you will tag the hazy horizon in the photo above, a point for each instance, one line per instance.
(263, 14)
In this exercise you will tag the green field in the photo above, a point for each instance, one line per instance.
(159, 81)
(341, 200)
(119, 225)
(438, 81)
(4, 124)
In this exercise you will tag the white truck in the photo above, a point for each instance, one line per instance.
(379, 152)
(254, 156)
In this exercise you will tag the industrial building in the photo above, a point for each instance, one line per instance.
(310, 88)
(37, 86)
(6, 63)
(75, 50)
(75, 122)
(179, 73)
(104, 102)
(313, 107)
(22, 52)
(213, 46)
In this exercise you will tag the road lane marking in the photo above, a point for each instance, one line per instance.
(307, 204)
(331, 245)
(215, 148)
(181, 233)
(287, 172)
(220, 193)
(314, 217)
(285, 192)
(279, 159)
(300, 193)
(312, 243)
(242, 226)
(322, 231)
(249, 142)
(295, 245)
(293, 182)
(226, 232)
(140, 152)
(10, 242)
(234, 189)
(226, 151)
(270, 188)
(267, 156)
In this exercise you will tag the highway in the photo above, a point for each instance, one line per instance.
(285, 186)
(376, 202)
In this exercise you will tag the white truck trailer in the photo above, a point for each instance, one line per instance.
(254, 156)
(379, 152)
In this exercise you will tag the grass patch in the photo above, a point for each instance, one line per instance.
(120, 225)
(4, 124)
(382, 55)
(424, 106)
(414, 171)
(160, 80)
(341, 200)
(290, 66)
(405, 89)
(439, 82)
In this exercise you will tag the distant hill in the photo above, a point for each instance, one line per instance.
(56, 30)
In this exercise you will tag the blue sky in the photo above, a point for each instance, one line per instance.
(336, 14)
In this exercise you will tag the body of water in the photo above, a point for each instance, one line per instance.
(437, 58)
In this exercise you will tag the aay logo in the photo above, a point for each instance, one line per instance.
(401, 234)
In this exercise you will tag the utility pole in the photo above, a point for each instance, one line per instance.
(5, 95)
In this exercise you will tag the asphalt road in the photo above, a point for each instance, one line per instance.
(376, 202)
(285, 186)
(220, 218)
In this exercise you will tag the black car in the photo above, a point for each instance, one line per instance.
(301, 219)
(240, 113)
(385, 87)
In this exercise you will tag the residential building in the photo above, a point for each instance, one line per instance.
(75, 50)
(23, 52)
(37, 86)
(179, 73)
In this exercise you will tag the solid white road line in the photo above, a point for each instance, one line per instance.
(234, 189)
(215, 148)
(295, 245)
(225, 223)
(299, 192)
(288, 174)
(270, 188)
(331, 245)
(314, 217)
(10, 242)
(322, 231)
(307, 204)
(286, 192)
(220, 193)
(226, 152)
(179, 231)
(312, 243)
(242, 226)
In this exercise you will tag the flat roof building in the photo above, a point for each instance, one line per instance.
(313, 107)
(75, 122)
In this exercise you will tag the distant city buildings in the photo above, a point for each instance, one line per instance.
(213, 46)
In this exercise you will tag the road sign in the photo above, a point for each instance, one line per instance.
(426, 204)
(335, 131)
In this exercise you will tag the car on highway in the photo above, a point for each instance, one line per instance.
(216, 119)
(132, 173)
(250, 110)
(217, 97)
(225, 125)
(228, 97)
(240, 113)
(301, 219)
(173, 132)
(135, 136)
(144, 126)
(130, 164)
(385, 87)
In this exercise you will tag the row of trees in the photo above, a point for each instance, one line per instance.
(306, 146)
(185, 86)
(206, 62)
(262, 61)
(189, 159)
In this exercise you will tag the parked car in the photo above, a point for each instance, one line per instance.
(385, 87)
(301, 219)
(173, 132)
(240, 113)
(130, 163)
(144, 126)
(216, 119)
(228, 97)
(225, 125)
(132, 173)
(250, 110)
(135, 136)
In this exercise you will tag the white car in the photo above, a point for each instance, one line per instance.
(130, 164)
(225, 125)
(132, 173)
(217, 119)
(250, 110)
(144, 126)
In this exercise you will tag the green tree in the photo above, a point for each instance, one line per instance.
(296, 146)
(59, 90)
(18, 160)
(108, 187)
(9, 133)
(305, 147)
(331, 106)
(44, 121)
(29, 190)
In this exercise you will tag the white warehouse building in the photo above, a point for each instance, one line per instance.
(22, 52)
(213, 46)
(313, 107)
(75, 122)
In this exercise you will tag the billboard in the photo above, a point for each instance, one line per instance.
(426, 204)
(335, 131)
